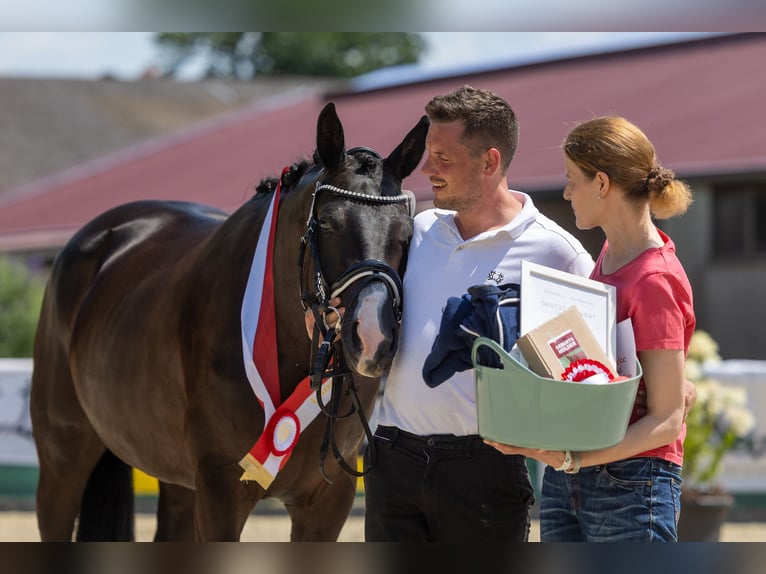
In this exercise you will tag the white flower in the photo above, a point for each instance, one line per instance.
(719, 421)
(693, 370)
(702, 347)
(741, 420)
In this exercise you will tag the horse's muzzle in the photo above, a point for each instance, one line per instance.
(370, 330)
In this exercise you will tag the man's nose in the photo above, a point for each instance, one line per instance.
(426, 168)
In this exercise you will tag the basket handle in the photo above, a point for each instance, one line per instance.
(487, 342)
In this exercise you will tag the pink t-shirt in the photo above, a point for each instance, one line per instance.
(655, 293)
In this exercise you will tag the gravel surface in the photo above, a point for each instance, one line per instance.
(275, 527)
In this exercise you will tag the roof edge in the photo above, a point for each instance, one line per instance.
(142, 149)
(542, 61)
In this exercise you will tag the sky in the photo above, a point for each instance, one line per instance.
(125, 55)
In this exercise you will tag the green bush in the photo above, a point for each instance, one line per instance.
(21, 294)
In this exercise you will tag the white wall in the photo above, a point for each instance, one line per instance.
(743, 473)
(17, 448)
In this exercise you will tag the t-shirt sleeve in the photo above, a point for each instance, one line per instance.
(656, 311)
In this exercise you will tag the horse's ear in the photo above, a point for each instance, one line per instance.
(406, 157)
(331, 142)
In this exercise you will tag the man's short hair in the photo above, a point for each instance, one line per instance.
(488, 119)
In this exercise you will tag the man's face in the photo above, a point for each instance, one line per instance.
(455, 174)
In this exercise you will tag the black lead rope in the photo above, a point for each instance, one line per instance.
(327, 361)
(342, 377)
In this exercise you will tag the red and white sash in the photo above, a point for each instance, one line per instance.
(283, 421)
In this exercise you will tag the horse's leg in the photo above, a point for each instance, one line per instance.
(223, 503)
(321, 517)
(175, 514)
(107, 511)
(62, 481)
(67, 446)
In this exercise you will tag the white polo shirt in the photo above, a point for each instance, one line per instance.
(442, 264)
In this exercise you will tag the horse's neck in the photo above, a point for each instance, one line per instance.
(231, 251)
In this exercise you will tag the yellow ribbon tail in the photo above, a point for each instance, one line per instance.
(254, 470)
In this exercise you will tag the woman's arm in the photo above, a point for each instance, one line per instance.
(665, 390)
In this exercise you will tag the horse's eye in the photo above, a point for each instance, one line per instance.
(325, 224)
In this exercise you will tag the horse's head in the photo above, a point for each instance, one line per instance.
(359, 228)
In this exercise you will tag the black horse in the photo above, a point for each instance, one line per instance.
(139, 359)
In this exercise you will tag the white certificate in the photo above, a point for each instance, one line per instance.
(548, 292)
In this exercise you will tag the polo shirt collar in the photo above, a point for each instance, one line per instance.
(513, 228)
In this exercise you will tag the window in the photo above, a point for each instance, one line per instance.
(739, 220)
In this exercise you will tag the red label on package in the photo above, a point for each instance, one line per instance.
(566, 348)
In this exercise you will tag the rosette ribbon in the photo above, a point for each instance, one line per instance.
(283, 421)
(587, 371)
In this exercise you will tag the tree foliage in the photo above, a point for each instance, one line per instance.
(244, 55)
(21, 295)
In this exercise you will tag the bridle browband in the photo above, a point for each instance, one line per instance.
(327, 359)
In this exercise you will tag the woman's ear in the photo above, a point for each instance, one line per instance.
(602, 178)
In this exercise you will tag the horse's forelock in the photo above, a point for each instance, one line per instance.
(369, 163)
(363, 161)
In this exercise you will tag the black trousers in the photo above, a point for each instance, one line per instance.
(443, 488)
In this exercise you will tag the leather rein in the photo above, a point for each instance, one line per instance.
(327, 359)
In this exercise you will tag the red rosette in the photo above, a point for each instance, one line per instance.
(583, 369)
(282, 431)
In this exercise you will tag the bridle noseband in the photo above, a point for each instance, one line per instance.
(327, 359)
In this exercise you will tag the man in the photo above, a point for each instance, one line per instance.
(434, 479)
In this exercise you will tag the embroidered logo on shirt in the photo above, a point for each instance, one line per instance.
(495, 276)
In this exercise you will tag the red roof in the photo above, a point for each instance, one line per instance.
(701, 102)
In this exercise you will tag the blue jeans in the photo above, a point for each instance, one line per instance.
(633, 500)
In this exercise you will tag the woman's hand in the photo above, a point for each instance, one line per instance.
(554, 458)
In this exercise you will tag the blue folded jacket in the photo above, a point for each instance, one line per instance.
(490, 311)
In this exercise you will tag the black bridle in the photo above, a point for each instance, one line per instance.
(327, 359)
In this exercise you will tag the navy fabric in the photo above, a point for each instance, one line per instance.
(490, 311)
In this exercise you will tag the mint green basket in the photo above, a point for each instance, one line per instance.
(518, 407)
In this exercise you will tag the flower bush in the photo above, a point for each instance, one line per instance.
(719, 421)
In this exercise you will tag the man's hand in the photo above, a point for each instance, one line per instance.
(330, 319)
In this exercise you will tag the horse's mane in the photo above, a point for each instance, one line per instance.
(289, 179)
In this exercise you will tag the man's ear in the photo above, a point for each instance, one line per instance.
(491, 160)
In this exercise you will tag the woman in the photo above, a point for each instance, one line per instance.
(630, 491)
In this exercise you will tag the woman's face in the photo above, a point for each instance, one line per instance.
(583, 193)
